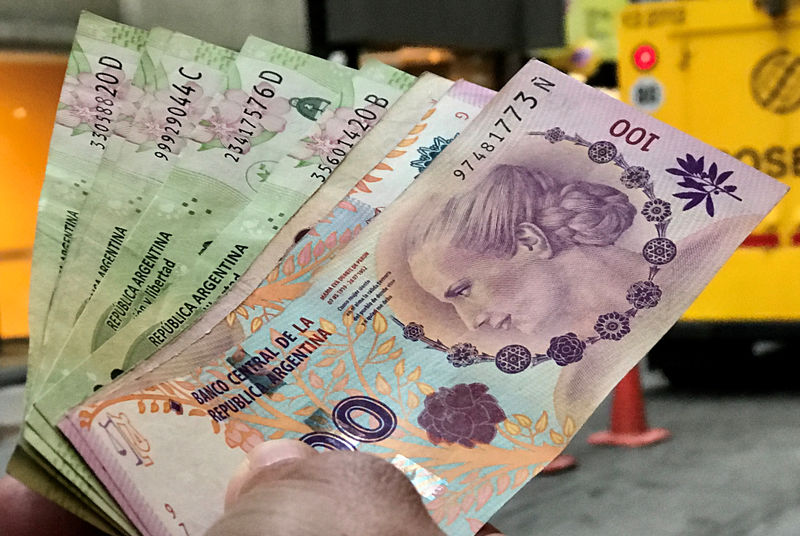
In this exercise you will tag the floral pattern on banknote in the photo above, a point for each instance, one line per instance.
(78, 104)
(223, 124)
(153, 119)
(701, 184)
(330, 129)
(455, 432)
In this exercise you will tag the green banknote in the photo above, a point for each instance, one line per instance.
(281, 191)
(179, 74)
(97, 92)
(258, 119)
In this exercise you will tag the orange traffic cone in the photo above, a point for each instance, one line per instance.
(628, 421)
(559, 464)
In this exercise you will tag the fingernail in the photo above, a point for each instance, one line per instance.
(275, 451)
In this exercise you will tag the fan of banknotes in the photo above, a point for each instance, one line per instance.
(234, 247)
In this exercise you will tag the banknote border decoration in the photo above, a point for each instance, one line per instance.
(701, 185)
(612, 326)
(428, 153)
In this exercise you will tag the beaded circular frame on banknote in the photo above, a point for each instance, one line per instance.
(611, 326)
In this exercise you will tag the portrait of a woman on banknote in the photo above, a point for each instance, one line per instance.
(536, 250)
(525, 250)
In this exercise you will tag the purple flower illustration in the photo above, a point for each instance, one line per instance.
(659, 250)
(612, 326)
(148, 126)
(465, 414)
(566, 349)
(701, 185)
(635, 177)
(462, 354)
(601, 152)
(78, 108)
(413, 331)
(644, 294)
(554, 135)
(513, 359)
(657, 210)
(150, 122)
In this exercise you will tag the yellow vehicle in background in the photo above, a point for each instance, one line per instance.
(728, 72)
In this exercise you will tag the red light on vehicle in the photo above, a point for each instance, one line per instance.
(645, 57)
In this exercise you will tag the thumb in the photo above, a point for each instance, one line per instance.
(264, 455)
(288, 488)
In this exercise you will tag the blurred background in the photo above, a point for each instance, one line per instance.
(724, 380)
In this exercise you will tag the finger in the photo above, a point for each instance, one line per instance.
(489, 530)
(328, 493)
(263, 455)
(26, 513)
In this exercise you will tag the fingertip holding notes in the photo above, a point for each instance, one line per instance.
(261, 456)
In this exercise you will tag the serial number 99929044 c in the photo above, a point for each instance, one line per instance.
(176, 113)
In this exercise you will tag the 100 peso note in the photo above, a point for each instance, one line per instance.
(468, 332)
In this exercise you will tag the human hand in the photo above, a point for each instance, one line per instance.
(26, 513)
(286, 487)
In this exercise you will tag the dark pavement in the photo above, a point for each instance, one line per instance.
(731, 468)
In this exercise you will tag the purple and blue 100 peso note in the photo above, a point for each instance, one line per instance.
(469, 331)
